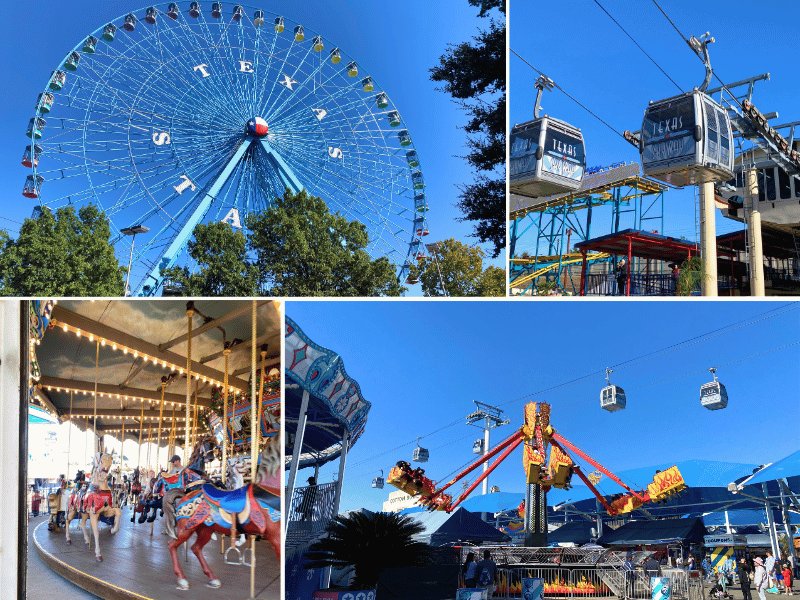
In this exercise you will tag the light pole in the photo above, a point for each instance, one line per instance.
(132, 231)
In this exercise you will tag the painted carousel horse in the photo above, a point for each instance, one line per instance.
(136, 488)
(183, 480)
(95, 504)
(253, 509)
(145, 497)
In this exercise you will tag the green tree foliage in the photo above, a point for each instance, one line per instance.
(220, 252)
(61, 254)
(474, 74)
(295, 248)
(462, 272)
(369, 542)
(692, 274)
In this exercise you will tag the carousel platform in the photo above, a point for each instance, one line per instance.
(137, 565)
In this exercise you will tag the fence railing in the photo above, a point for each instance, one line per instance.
(310, 511)
(656, 284)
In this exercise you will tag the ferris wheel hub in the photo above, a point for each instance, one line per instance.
(257, 127)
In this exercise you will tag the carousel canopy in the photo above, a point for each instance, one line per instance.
(335, 403)
(124, 348)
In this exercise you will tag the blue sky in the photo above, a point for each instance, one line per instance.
(396, 43)
(421, 365)
(578, 46)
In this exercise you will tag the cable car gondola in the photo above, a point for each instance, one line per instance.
(477, 447)
(547, 155)
(687, 139)
(612, 397)
(420, 454)
(378, 482)
(713, 395)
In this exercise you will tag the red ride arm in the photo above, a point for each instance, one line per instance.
(597, 494)
(517, 435)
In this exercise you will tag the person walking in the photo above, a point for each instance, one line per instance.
(707, 568)
(691, 564)
(760, 578)
(486, 570)
(769, 565)
(652, 568)
(745, 573)
(786, 571)
(468, 570)
(630, 571)
(36, 500)
(308, 499)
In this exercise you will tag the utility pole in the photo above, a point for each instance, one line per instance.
(486, 417)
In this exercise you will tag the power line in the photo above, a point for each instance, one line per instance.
(568, 96)
(638, 46)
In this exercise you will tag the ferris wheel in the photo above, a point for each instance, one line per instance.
(192, 112)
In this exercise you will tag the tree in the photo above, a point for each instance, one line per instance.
(461, 269)
(220, 251)
(691, 277)
(474, 74)
(370, 543)
(61, 254)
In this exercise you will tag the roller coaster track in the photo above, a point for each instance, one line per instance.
(541, 271)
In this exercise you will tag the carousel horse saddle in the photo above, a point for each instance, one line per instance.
(232, 501)
(266, 498)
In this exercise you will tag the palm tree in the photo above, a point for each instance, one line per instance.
(369, 542)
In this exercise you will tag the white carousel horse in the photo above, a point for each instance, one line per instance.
(96, 503)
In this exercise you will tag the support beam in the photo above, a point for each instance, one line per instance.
(708, 238)
(243, 310)
(753, 220)
(297, 449)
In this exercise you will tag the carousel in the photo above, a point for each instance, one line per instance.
(181, 404)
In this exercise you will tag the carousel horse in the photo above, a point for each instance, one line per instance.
(145, 497)
(95, 504)
(185, 479)
(136, 488)
(58, 503)
(253, 509)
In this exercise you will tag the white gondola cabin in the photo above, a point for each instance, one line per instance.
(238, 13)
(279, 25)
(382, 100)
(378, 482)
(612, 397)
(258, 18)
(216, 10)
(109, 31)
(318, 43)
(32, 186)
(30, 157)
(367, 84)
(394, 118)
(417, 180)
(172, 11)
(412, 158)
(420, 454)
(194, 9)
(687, 140)
(336, 56)
(35, 128)
(90, 45)
(150, 15)
(405, 139)
(547, 157)
(299, 33)
(130, 22)
(57, 80)
(45, 102)
(713, 395)
(71, 64)
(420, 203)
(477, 447)
(421, 227)
(416, 250)
(352, 69)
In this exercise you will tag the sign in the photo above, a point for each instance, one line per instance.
(472, 594)
(532, 588)
(661, 588)
(724, 540)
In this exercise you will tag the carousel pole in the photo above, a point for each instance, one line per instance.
(96, 375)
(86, 440)
(149, 443)
(139, 454)
(69, 435)
(226, 352)
(161, 415)
(254, 431)
(189, 315)
(261, 387)
(195, 420)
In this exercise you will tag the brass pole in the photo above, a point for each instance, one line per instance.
(69, 435)
(227, 353)
(253, 439)
(160, 417)
(189, 315)
(195, 418)
(96, 375)
(139, 454)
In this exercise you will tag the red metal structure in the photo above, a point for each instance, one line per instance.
(541, 469)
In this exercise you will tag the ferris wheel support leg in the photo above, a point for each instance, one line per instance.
(155, 278)
(285, 173)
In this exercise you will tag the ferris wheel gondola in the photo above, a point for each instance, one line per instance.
(548, 156)
(612, 397)
(713, 395)
(687, 139)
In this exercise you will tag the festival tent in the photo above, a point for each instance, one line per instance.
(576, 532)
(665, 531)
(461, 525)
(494, 502)
(782, 469)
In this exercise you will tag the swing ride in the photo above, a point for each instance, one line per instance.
(547, 463)
(114, 385)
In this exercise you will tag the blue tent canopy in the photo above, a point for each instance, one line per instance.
(493, 503)
(784, 468)
(461, 525)
(576, 532)
(655, 533)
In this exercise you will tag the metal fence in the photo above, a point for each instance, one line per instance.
(656, 284)
(310, 511)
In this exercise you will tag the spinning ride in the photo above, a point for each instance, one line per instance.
(184, 113)
(542, 471)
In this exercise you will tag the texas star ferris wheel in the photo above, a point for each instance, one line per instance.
(193, 112)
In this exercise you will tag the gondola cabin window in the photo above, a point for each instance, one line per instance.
(668, 132)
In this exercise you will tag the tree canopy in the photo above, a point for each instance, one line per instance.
(61, 254)
(474, 74)
(462, 273)
(295, 248)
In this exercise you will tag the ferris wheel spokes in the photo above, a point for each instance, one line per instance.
(285, 174)
(172, 253)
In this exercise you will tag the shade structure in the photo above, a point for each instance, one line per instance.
(666, 531)
(784, 468)
(576, 532)
(442, 529)
(335, 402)
(493, 503)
